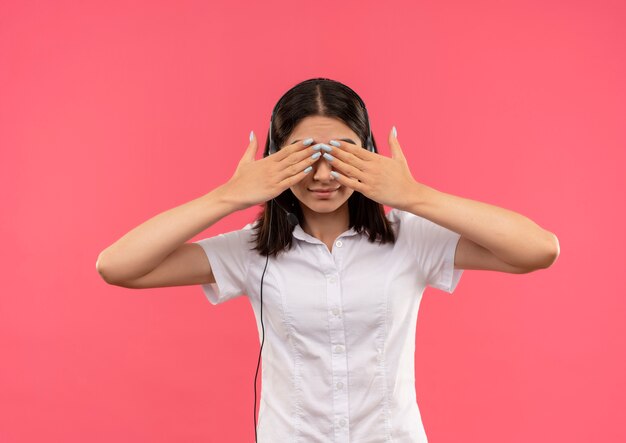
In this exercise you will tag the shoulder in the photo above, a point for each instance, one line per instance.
(247, 234)
(398, 215)
(414, 228)
(233, 239)
(399, 218)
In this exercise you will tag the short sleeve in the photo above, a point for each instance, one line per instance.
(229, 256)
(434, 247)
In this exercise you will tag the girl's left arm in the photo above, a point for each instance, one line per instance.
(517, 243)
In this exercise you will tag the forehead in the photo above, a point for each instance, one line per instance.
(320, 127)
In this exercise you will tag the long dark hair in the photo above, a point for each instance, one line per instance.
(328, 98)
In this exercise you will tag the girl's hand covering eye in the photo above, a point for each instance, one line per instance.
(386, 180)
(257, 181)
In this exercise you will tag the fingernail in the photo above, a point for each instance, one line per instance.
(325, 147)
(307, 142)
(251, 135)
(308, 169)
(328, 157)
(395, 132)
(319, 146)
(316, 155)
(334, 174)
(335, 143)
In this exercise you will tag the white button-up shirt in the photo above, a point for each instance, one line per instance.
(338, 356)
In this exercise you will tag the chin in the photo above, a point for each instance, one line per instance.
(324, 205)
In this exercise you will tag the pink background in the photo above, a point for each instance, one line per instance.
(112, 112)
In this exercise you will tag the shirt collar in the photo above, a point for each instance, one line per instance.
(299, 233)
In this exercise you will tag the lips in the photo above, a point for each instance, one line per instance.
(324, 193)
(323, 190)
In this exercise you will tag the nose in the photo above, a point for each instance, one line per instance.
(322, 170)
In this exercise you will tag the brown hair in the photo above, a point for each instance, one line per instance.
(328, 98)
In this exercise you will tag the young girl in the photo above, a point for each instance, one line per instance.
(334, 282)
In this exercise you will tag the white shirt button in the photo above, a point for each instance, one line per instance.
(332, 279)
(339, 385)
(335, 311)
(342, 422)
(339, 243)
(338, 348)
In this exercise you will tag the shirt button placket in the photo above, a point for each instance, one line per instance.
(338, 353)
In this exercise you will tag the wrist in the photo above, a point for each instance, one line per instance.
(223, 197)
(418, 197)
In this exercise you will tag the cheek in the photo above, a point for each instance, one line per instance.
(346, 191)
(299, 191)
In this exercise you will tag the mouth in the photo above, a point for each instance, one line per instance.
(324, 193)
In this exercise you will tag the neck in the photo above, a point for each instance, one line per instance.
(326, 225)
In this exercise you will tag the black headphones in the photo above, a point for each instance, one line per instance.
(293, 220)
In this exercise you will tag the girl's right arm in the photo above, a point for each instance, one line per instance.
(154, 254)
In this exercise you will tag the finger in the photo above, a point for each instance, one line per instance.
(351, 183)
(306, 153)
(291, 180)
(287, 150)
(347, 153)
(308, 157)
(297, 161)
(394, 146)
(357, 151)
(252, 148)
(343, 167)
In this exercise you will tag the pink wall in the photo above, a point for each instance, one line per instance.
(111, 113)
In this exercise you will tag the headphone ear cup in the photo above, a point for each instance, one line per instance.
(370, 146)
(270, 150)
